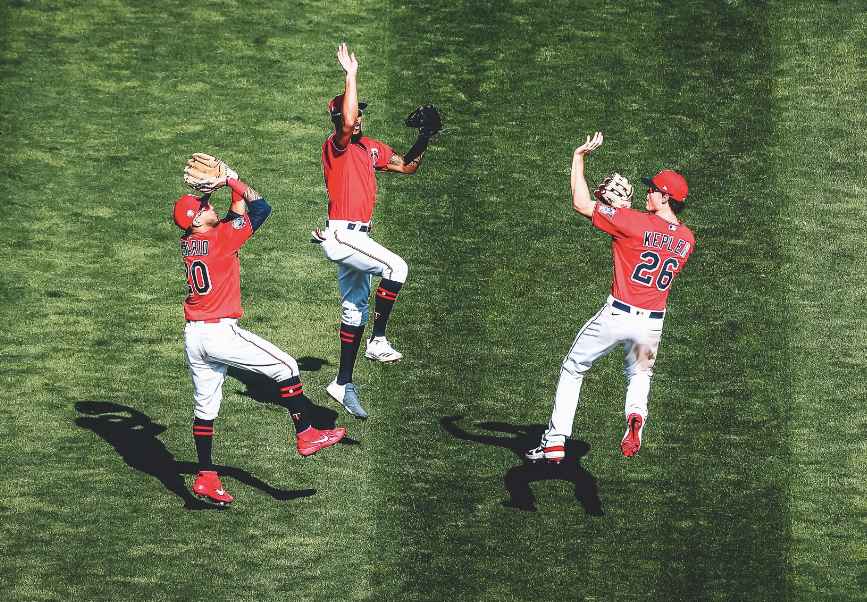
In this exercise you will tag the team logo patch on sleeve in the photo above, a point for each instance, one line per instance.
(374, 154)
(606, 210)
(238, 223)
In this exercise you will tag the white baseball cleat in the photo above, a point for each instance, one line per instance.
(380, 350)
(551, 452)
(347, 396)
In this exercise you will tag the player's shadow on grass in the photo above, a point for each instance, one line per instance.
(520, 438)
(134, 436)
(265, 390)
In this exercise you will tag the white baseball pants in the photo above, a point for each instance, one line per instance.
(637, 332)
(212, 347)
(358, 257)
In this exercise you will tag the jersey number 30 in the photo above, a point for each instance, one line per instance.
(649, 270)
(198, 279)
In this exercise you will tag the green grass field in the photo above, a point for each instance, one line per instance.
(750, 482)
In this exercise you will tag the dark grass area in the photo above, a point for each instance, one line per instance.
(747, 486)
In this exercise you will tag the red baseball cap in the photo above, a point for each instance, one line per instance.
(335, 105)
(669, 182)
(186, 209)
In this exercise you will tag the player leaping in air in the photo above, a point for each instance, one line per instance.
(212, 338)
(349, 162)
(649, 250)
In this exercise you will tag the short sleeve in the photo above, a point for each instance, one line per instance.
(235, 232)
(616, 222)
(383, 154)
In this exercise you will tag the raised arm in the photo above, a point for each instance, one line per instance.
(399, 164)
(349, 110)
(244, 199)
(582, 201)
(428, 121)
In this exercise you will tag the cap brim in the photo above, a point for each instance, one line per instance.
(647, 181)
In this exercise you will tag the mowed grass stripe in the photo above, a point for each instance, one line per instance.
(102, 133)
(434, 220)
(682, 478)
(726, 512)
(819, 154)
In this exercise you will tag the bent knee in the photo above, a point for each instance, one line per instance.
(398, 271)
(574, 367)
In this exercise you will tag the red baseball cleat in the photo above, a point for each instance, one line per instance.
(311, 440)
(208, 486)
(631, 442)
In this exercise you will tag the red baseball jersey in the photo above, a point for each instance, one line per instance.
(648, 253)
(214, 271)
(350, 177)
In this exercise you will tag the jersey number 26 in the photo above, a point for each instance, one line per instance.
(649, 270)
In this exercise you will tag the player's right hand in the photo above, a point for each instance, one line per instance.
(318, 236)
(590, 145)
(347, 60)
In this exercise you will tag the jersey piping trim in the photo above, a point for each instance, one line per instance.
(590, 322)
(363, 252)
(235, 329)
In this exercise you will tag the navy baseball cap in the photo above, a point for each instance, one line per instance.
(669, 182)
(335, 105)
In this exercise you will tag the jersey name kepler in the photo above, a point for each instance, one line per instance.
(658, 240)
(194, 247)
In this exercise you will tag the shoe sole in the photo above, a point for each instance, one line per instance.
(351, 413)
(631, 439)
(545, 460)
(211, 500)
(382, 361)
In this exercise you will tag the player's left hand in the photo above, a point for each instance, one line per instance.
(206, 173)
(591, 144)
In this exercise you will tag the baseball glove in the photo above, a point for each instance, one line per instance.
(206, 173)
(426, 118)
(614, 190)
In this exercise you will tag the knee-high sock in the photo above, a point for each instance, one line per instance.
(293, 398)
(350, 340)
(386, 295)
(203, 435)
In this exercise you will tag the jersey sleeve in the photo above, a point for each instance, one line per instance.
(383, 154)
(616, 222)
(235, 232)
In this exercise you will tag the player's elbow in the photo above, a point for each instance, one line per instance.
(583, 209)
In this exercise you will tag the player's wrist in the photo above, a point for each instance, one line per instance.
(237, 186)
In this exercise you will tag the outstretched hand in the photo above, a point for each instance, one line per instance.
(347, 59)
(590, 145)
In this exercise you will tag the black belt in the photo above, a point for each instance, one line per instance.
(656, 315)
(353, 226)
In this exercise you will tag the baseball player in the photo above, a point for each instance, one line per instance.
(349, 163)
(212, 338)
(649, 250)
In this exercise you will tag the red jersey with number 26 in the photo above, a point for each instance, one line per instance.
(350, 177)
(214, 270)
(648, 253)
